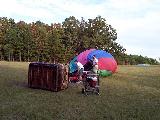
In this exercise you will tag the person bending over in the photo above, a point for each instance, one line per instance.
(80, 69)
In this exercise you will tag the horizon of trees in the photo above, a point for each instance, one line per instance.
(59, 42)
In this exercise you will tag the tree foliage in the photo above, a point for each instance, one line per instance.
(60, 42)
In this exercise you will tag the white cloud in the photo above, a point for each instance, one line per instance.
(140, 35)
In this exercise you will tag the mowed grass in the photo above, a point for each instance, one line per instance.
(132, 93)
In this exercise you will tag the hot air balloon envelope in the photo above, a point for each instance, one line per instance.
(105, 60)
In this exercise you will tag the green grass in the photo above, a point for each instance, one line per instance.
(132, 93)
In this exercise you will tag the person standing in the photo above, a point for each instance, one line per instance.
(80, 69)
(95, 64)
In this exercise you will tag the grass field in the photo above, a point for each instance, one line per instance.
(132, 93)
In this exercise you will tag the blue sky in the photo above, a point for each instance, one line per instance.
(137, 21)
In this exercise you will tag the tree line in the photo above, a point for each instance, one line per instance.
(59, 42)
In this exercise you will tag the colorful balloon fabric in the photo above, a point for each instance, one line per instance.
(105, 60)
(82, 57)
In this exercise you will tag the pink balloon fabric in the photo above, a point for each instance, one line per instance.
(82, 57)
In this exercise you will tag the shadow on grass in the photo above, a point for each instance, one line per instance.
(21, 84)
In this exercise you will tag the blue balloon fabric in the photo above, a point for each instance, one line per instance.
(72, 65)
(99, 54)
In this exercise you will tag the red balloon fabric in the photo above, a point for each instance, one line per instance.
(107, 64)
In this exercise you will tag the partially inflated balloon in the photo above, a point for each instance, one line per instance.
(105, 60)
